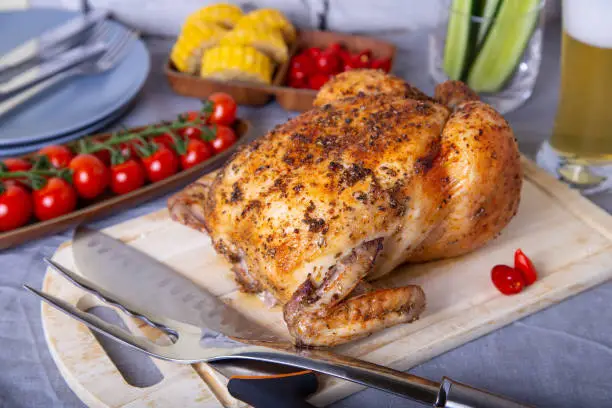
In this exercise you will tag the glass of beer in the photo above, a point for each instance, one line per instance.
(580, 149)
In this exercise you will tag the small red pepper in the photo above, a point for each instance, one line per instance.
(524, 265)
(507, 280)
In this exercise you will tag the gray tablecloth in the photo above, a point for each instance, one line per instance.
(560, 357)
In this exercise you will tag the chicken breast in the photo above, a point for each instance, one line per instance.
(377, 175)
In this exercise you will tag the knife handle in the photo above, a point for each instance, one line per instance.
(279, 391)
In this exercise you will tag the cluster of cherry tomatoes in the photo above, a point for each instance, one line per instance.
(512, 280)
(314, 66)
(50, 183)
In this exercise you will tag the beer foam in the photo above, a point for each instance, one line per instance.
(589, 21)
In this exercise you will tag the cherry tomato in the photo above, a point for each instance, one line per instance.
(161, 164)
(192, 132)
(17, 164)
(507, 280)
(56, 198)
(127, 176)
(197, 152)
(224, 109)
(328, 63)
(335, 48)
(104, 156)
(523, 264)
(313, 52)
(192, 116)
(58, 155)
(365, 58)
(130, 149)
(302, 63)
(317, 81)
(15, 207)
(90, 176)
(296, 74)
(383, 64)
(164, 140)
(224, 138)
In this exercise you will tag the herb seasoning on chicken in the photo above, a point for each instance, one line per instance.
(377, 174)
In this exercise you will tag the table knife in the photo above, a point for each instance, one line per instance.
(147, 289)
(51, 41)
(61, 62)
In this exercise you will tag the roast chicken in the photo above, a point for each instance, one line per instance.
(377, 174)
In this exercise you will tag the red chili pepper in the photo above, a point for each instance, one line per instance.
(524, 265)
(507, 280)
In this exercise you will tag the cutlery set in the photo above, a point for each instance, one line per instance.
(84, 45)
(201, 328)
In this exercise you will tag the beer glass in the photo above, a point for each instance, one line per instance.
(580, 148)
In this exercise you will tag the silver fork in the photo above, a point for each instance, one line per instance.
(91, 48)
(186, 348)
(117, 47)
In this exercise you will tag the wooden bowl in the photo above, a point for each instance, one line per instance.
(300, 100)
(110, 203)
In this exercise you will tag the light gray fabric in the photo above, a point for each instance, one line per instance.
(560, 357)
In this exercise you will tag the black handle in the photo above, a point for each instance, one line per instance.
(279, 391)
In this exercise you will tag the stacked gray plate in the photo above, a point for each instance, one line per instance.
(76, 107)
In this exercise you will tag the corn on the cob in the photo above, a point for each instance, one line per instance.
(267, 40)
(269, 18)
(223, 14)
(231, 62)
(194, 38)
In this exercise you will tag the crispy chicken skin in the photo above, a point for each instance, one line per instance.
(377, 175)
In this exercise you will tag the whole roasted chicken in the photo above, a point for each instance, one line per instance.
(376, 175)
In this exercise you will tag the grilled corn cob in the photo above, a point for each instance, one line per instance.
(223, 14)
(194, 38)
(266, 40)
(269, 18)
(231, 62)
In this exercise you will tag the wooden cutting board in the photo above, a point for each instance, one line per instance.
(568, 238)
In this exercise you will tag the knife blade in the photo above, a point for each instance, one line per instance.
(142, 283)
(49, 42)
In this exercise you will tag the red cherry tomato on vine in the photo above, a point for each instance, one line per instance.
(224, 109)
(15, 207)
(524, 265)
(127, 176)
(17, 164)
(224, 138)
(197, 152)
(507, 280)
(56, 198)
(104, 156)
(58, 155)
(161, 164)
(191, 132)
(192, 116)
(163, 140)
(90, 176)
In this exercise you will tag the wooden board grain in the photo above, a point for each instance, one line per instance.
(568, 238)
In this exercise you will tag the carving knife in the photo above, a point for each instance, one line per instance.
(148, 286)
